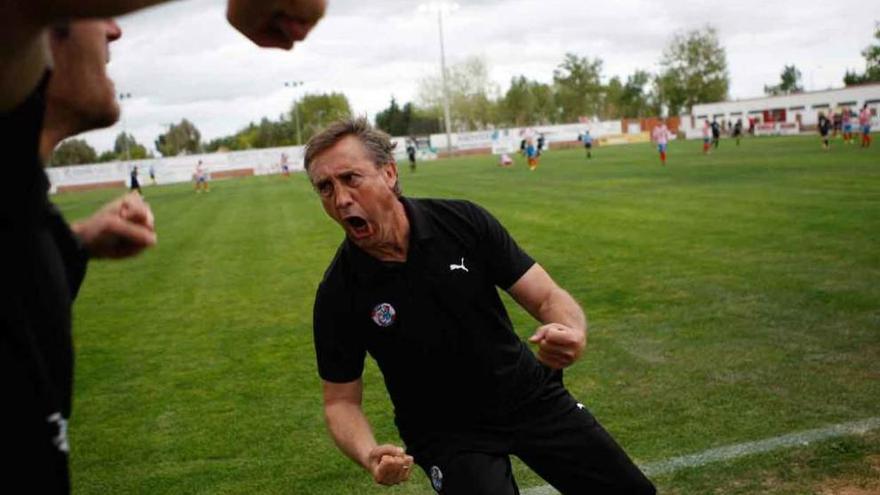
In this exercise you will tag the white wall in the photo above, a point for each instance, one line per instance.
(177, 169)
(268, 161)
(509, 138)
(834, 98)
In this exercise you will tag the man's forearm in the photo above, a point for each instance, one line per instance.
(561, 308)
(351, 431)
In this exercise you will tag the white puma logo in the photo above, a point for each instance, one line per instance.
(452, 268)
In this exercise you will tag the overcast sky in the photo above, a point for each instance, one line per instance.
(183, 60)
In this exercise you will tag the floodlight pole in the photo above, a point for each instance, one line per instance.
(445, 85)
(294, 84)
(125, 96)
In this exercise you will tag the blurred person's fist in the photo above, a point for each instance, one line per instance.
(275, 23)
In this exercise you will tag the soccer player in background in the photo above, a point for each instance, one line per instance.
(837, 122)
(824, 128)
(411, 153)
(716, 134)
(285, 165)
(846, 119)
(738, 130)
(865, 124)
(660, 135)
(200, 176)
(134, 184)
(415, 284)
(532, 154)
(588, 143)
(707, 137)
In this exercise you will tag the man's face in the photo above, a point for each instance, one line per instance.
(355, 193)
(79, 86)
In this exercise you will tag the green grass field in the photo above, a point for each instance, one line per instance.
(732, 297)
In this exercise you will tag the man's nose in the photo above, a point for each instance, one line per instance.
(342, 198)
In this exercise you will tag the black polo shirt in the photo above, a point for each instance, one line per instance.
(434, 324)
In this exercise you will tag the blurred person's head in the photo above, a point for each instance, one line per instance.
(80, 96)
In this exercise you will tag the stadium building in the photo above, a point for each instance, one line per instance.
(786, 113)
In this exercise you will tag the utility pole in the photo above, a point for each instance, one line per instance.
(445, 85)
(123, 97)
(292, 85)
(440, 8)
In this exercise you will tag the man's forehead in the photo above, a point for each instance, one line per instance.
(342, 157)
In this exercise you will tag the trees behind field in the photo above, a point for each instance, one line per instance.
(73, 152)
(872, 64)
(472, 94)
(576, 91)
(306, 116)
(789, 83)
(182, 138)
(317, 110)
(693, 70)
(406, 120)
(578, 82)
(528, 102)
(125, 147)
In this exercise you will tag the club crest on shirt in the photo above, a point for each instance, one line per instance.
(436, 478)
(384, 315)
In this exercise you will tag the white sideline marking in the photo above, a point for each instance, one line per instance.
(743, 449)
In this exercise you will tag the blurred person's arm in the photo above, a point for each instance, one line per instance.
(121, 229)
(350, 429)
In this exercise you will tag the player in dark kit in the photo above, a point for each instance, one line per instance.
(738, 130)
(824, 128)
(414, 284)
(411, 153)
(716, 134)
(134, 184)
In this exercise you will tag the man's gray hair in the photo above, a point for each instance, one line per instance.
(377, 143)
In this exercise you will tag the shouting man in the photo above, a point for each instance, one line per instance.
(414, 285)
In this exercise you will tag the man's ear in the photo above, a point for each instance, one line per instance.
(389, 174)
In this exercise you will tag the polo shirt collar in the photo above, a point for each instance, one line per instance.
(420, 228)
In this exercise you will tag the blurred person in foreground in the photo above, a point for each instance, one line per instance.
(43, 258)
(414, 284)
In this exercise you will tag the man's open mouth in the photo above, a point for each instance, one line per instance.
(359, 226)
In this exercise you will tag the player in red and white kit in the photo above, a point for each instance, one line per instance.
(660, 135)
(865, 125)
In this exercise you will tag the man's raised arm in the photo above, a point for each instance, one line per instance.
(562, 337)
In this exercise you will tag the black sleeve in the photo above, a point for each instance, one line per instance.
(339, 351)
(73, 253)
(507, 262)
